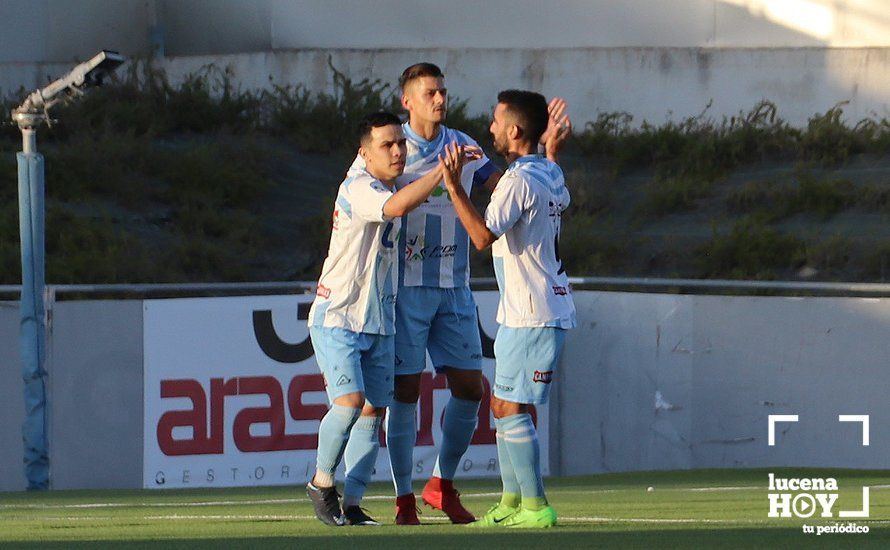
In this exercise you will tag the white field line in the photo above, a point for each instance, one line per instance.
(249, 502)
(306, 500)
(436, 519)
(290, 517)
(193, 504)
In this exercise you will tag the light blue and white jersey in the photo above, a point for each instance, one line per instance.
(525, 213)
(358, 283)
(434, 246)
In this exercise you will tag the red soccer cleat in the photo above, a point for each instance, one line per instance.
(406, 510)
(440, 494)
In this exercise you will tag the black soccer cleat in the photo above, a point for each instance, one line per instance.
(354, 515)
(326, 501)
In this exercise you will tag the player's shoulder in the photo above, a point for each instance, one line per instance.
(554, 171)
(513, 180)
(361, 180)
(540, 170)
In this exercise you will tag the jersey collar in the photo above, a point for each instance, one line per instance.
(525, 159)
(422, 144)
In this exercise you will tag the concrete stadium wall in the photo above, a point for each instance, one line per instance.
(647, 382)
(651, 84)
(12, 404)
(95, 395)
(656, 60)
(60, 30)
(674, 382)
(654, 84)
(578, 23)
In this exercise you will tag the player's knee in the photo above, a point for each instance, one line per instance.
(502, 409)
(407, 388)
(465, 384)
(471, 390)
(370, 410)
(355, 400)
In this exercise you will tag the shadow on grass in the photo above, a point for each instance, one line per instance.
(560, 537)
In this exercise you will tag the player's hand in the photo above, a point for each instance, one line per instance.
(559, 126)
(452, 161)
(471, 153)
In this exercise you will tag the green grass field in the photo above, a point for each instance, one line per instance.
(689, 509)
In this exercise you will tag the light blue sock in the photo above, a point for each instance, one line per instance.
(521, 441)
(511, 493)
(333, 434)
(461, 417)
(401, 435)
(361, 455)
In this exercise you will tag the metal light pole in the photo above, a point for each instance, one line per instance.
(29, 116)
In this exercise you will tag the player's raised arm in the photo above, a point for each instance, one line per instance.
(411, 196)
(559, 128)
(451, 163)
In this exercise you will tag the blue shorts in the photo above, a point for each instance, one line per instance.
(525, 362)
(355, 362)
(442, 321)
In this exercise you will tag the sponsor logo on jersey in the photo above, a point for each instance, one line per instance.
(414, 250)
(543, 377)
(323, 291)
(387, 237)
(555, 209)
(560, 290)
(439, 191)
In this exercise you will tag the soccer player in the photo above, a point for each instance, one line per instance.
(522, 224)
(352, 319)
(435, 311)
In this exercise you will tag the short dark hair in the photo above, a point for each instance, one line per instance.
(530, 110)
(375, 120)
(418, 70)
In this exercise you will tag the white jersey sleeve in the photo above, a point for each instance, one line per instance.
(508, 202)
(368, 197)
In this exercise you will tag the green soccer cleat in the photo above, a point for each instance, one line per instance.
(495, 516)
(531, 519)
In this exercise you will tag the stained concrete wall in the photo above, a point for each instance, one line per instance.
(60, 30)
(579, 23)
(95, 395)
(12, 404)
(651, 84)
(654, 84)
(646, 382)
(34, 31)
(666, 382)
(656, 60)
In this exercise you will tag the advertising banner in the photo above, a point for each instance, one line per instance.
(233, 396)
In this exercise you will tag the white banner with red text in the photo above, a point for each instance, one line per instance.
(233, 396)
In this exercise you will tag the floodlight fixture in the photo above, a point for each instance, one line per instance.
(29, 116)
(34, 110)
